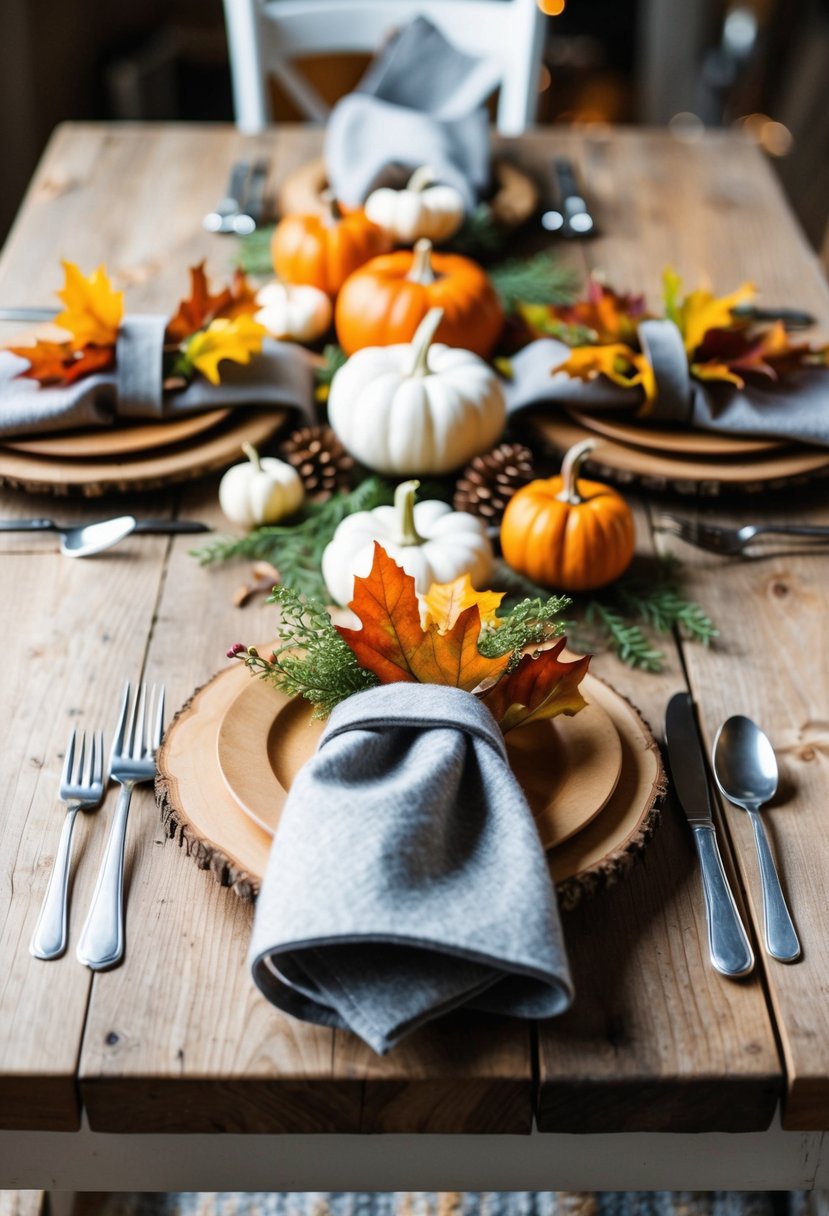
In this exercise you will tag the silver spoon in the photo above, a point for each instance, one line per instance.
(87, 539)
(746, 771)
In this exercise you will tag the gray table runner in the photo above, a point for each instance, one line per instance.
(795, 407)
(420, 103)
(282, 375)
(407, 878)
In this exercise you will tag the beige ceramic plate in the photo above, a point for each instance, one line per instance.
(118, 440)
(568, 768)
(674, 441)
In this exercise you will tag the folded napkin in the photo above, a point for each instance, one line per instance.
(420, 103)
(282, 375)
(794, 408)
(406, 877)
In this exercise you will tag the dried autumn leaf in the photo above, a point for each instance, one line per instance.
(394, 645)
(618, 362)
(93, 311)
(201, 307)
(58, 363)
(541, 686)
(236, 340)
(444, 602)
(701, 311)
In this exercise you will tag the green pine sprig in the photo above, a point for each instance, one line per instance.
(539, 279)
(530, 622)
(253, 252)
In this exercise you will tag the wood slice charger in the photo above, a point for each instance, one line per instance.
(201, 795)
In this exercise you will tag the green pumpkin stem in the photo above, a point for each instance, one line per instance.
(422, 340)
(253, 456)
(404, 503)
(421, 270)
(421, 179)
(570, 469)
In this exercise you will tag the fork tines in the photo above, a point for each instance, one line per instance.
(85, 773)
(134, 719)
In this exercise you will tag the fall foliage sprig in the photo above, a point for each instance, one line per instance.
(448, 639)
(722, 342)
(206, 329)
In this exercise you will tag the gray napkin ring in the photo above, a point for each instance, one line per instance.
(139, 356)
(665, 351)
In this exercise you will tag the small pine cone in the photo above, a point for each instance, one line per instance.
(320, 459)
(489, 482)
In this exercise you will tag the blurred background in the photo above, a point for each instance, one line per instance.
(762, 65)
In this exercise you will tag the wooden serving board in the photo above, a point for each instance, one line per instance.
(118, 440)
(628, 465)
(144, 471)
(198, 809)
(675, 441)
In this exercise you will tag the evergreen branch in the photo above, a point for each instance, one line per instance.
(626, 640)
(539, 279)
(333, 359)
(480, 235)
(253, 252)
(531, 622)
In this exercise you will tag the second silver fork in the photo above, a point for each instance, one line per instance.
(132, 762)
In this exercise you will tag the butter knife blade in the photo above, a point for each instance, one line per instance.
(728, 944)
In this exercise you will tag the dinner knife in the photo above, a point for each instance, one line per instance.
(728, 943)
(150, 527)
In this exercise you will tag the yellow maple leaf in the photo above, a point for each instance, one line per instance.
(93, 311)
(701, 310)
(235, 339)
(444, 602)
(617, 361)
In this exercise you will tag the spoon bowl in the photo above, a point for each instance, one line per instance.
(88, 539)
(745, 768)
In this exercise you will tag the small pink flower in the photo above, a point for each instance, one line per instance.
(236, 649)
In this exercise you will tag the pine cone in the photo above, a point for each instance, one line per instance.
(489, 482)
(320, 459)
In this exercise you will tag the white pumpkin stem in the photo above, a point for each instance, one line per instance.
(404, 503)
(421, 342)
(570, 469)
(421, 179)
(421, 269)
(253, 456)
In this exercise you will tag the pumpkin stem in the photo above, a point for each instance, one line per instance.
(421, 178)
(332, 208)
(421, 268)
(404, 502)
(422, 341)
(253, 456)
(570, 469)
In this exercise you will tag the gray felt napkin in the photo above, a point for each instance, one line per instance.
(795, 408)
(420, 103)
(282, 375)
(406, 877)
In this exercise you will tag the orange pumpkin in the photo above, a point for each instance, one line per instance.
(324, 249)
(385, 301)
(567, 533)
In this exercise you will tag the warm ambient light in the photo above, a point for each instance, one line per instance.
(545, 79)
(551, 8)
(773, 137)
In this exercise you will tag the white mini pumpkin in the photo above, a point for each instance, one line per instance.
(422, 209)
(429, 540)
(261, 491)
(416, 408)
(294, 312)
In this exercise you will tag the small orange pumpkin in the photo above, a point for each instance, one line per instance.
(385, 301)
(567, 533)
(324, 249)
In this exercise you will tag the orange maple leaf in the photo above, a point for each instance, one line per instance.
(541, 686)
(396, 648)
(60, 363)
(200, 307)
(93, 311)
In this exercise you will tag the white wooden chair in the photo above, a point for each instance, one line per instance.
(264, 36)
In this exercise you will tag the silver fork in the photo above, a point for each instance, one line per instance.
(714, 538)
(81, 789)
(132, 762)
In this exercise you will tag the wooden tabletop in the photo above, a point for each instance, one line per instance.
(177, 1038)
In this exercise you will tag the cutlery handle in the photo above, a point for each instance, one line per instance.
(781, 938)
(102, 940)
(49, 937)
(28, 525)
(817, 530)
(728, 944)
(169, 527)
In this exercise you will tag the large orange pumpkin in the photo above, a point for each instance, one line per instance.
(385, 301)
(323, 249)
(567, 533)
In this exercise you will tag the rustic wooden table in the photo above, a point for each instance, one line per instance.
(177, 1039)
